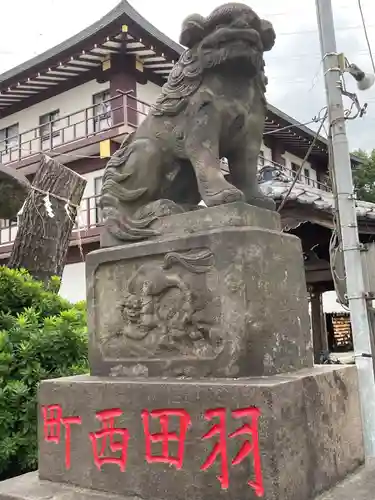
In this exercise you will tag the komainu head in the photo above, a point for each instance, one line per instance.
(232, 32)
(231, 40)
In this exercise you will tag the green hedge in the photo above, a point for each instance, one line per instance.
(41, 336)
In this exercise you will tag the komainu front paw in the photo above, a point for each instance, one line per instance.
(227, 194)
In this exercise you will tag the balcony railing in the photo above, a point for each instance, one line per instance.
(88, 122)
(270, 170)
(89, 216)
(88, 219)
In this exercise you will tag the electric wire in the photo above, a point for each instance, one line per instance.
(297, 174)
(366, 35)
(287, 127)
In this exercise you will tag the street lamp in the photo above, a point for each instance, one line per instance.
(364, 80)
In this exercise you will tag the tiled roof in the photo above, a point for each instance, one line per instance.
(315, 198)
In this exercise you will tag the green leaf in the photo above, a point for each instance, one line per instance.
(41, 336)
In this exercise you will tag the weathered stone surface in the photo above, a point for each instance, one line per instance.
(14, 188)
(357, 486)
(227, 301)
(309, 434)
(213, 105)
(203, 219)
(30, 487)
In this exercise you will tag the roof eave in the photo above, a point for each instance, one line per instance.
(122, 13)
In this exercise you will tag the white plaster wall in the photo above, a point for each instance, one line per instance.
(291, 158)
(330, 303)
(71, 101)
(267, 153)
(90, 186)
(8, 234)
(88, 213)
(73, 285)
(147, 93)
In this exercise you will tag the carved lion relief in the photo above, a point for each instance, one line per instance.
(168, 310)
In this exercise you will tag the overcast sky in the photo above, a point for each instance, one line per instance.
(293, 67)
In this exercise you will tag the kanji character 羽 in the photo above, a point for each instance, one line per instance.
(249, 447)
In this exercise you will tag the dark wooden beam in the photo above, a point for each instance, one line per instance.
(63, 55)
(82, 64)
(61, 73)
(112, 50)
(52, 91)
(74, 253)
(318, 325)
(319, 276)
(28, 165)
(138, 32)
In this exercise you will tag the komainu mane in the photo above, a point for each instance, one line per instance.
(212, 106)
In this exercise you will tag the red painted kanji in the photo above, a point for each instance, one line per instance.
(107, 419)
(220, 448)
(164, 437)
(52, 421)
(249, 447)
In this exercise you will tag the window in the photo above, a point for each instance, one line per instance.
(261, 158)
(48, 123)
(8, 138)
(306, 173)
(102, 111)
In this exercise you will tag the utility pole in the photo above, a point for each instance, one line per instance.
(348, 224)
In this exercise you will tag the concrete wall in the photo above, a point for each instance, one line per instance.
(73, 285)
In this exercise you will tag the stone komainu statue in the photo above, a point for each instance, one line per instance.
(212, 106)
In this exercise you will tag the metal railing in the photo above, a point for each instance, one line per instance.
(87, 122)
(290, 174)
(89, 214)
(119, 110)
(88, 218)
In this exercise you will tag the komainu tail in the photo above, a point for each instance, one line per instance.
(114, 197)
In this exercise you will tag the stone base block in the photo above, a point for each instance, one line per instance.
(30, 487)
(358, 486)
(285, 437)
(203, 300)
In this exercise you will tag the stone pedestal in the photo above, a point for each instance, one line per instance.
(309, 437)
(222, 293)
(202, 383)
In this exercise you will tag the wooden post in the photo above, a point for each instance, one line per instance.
(42, 242)
(318, 324)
